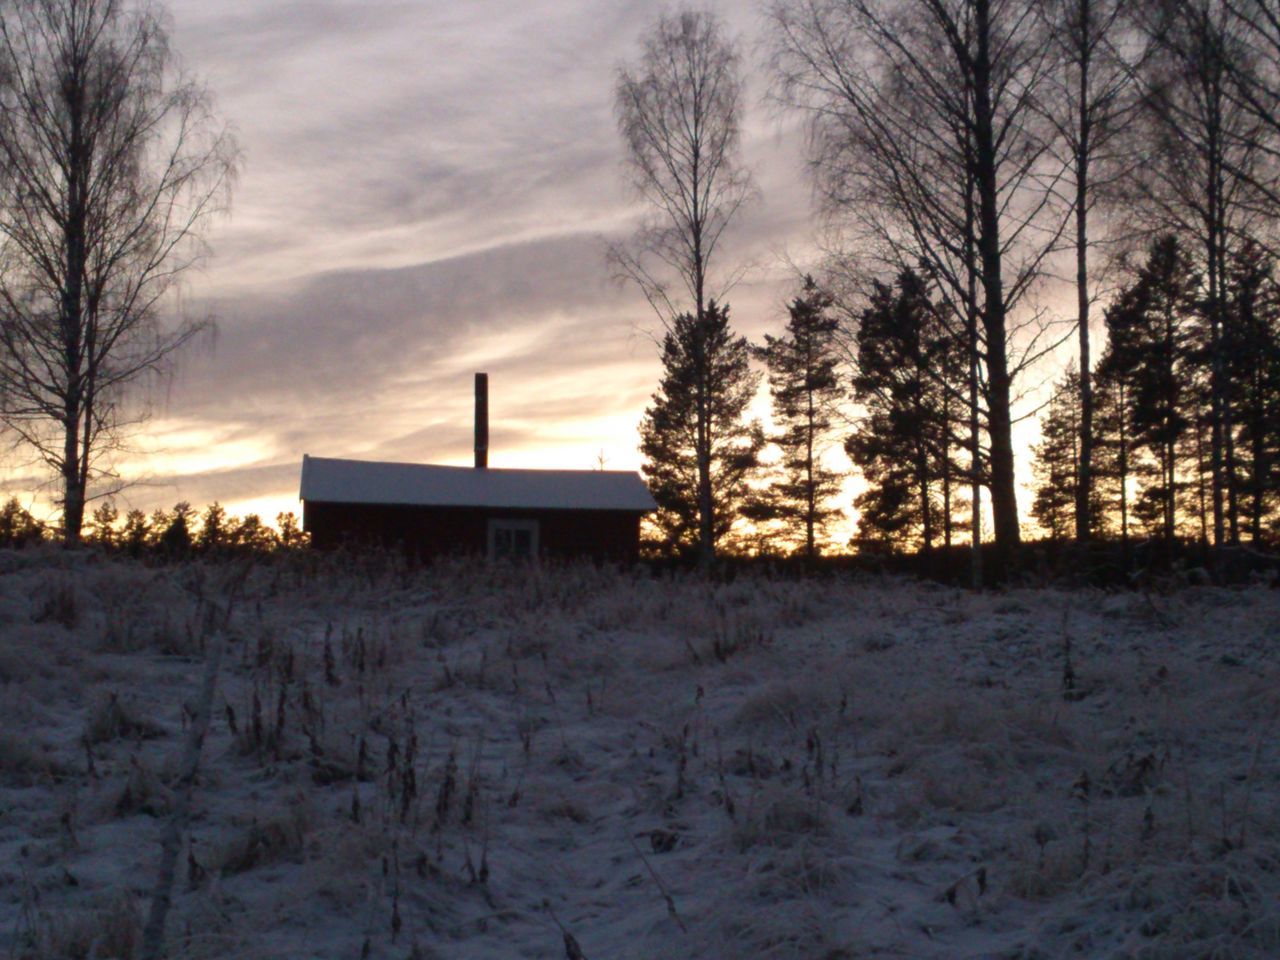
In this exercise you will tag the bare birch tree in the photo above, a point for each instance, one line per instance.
(678, 112)
(1200, 181)
(1094, 97)
(925, 137)
(1255, 86)
(111, 164)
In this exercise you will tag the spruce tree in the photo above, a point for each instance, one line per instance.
(175, 539)
(903, 443)
(1059, 467)
(18, 527)
(102, 531)
(1252, 335)
(135, 537)
(889, 514)
(291, 533)
(804, 387)
(1056, 466)
(700, 359)
(1113, 445)
(1149, 329)
(214, 529)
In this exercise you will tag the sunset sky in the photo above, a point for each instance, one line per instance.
(427, 191)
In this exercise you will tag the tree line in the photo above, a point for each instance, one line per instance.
(1154, 421)
(171, 534)
(977, 164)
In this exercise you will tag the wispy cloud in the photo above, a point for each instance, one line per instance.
(427, 190)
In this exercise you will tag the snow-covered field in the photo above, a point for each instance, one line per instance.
(476, 762)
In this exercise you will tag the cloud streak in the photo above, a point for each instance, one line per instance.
(427, 192)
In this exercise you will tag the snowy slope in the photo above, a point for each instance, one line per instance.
(473, 762)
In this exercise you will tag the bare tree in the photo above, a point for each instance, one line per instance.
(111, 164)
(1094, 97)
(1200, 181)
(1255, 86)
(926, 135)
(678, 112)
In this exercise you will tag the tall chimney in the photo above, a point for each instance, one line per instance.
(482, 421)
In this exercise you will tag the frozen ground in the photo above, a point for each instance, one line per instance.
(491, 763)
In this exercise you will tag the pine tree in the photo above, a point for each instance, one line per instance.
(214, 528)
(1149, 329)
(804, 387)
(700, 358)
(1252, 341)
(903, 444)
(135, 536)
(291, 534)
(102, 531)
(1113, 439)
(250, 534)
(175, 538)
(18, 527)
(1056, 466)
(1197, 445)
(889, 515)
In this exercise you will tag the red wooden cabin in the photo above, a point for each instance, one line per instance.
(430, 510)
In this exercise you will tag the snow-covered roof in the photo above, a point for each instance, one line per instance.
(330, 480)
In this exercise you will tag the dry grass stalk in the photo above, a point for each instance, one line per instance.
(666, 895)
(171, 841)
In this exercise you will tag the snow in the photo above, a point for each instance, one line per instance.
(658, 767)
(414, 484)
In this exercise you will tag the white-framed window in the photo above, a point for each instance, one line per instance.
(513, 539)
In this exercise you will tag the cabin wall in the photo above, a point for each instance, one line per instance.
(427, 532)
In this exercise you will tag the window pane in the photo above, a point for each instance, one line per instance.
(513, 538)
